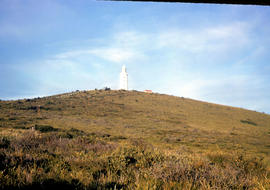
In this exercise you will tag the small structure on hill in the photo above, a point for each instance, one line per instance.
(123, 79)
(148, 91)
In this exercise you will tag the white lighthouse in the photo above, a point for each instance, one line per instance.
(124, 79)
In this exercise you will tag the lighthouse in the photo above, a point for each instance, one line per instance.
(123, 79)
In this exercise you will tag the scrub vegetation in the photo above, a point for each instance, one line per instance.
(105, 139)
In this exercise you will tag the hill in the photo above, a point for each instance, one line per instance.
(147, 136)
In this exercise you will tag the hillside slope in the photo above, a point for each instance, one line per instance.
(160, 119)
(132, 140)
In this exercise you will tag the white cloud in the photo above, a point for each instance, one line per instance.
(213, 39)
(116, 55)
(131, 46)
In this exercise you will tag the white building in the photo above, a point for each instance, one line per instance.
(124, 79)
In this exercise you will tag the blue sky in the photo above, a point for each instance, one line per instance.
(213, 53)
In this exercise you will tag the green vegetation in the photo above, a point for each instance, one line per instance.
(107, 139)
(45, 128)
(248, 122)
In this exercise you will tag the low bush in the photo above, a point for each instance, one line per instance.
(45, 128)
(20, 127)
(4, 142)
(115, 138)
(72, 133)
(249, 122)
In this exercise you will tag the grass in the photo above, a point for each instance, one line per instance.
(131, 140)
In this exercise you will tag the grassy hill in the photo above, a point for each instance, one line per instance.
(131, 140)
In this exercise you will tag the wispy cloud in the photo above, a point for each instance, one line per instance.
(213, 39)
(116, 55)
(128, 46)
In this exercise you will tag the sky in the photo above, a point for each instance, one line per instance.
(208, 52)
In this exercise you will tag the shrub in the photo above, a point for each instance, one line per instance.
(106, 88)
(72, 133)
(45, 128)
(4, 142)
(49, 103)
(248, 122)
(115, 138)
(20, 127)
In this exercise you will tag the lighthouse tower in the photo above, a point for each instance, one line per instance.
(123, 79)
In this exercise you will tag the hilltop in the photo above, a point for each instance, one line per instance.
(155, 123)
(158, 118)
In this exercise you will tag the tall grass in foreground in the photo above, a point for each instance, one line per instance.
(72, 159)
